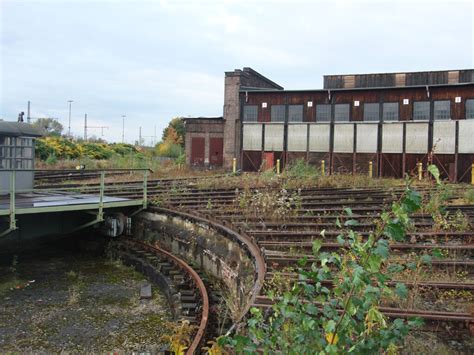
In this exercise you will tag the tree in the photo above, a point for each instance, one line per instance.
(174, 133)
(50, 126)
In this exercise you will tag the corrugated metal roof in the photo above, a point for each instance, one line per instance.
(17, 129)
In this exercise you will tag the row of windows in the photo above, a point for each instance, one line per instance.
(16, 153)
(16, 141)
(16, 163)
(421, 111)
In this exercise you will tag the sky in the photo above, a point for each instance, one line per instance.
(155, 60)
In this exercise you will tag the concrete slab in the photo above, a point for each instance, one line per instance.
(145, 292)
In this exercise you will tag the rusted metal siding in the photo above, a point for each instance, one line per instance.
(466, 76)
(251, 161)
(404, 96)
(394, 149)
(384, 80)
(375, 80)
(427, 78)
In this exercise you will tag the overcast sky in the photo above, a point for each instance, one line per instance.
(154, 60)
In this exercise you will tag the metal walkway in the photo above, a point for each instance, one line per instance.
(90, 199)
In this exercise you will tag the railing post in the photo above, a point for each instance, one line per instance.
(420, 170)
(371, 169)
(323, 168)
(472, 174)
(12, 200)
(278, 167)
(234, 165)
(145, 187)
(100, 216)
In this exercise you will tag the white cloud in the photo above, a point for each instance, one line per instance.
(153, 60)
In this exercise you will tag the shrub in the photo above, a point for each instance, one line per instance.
(171, 150)
(300, 169)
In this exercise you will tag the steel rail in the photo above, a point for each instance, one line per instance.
(193, 347)
(467, 286)
(439, 316)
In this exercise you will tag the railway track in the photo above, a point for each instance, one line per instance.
(185, 289)
(280, 240)
(434, 320)
(52, 176)
(276, 242)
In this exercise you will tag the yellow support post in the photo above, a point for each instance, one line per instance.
(420, 171)
(323, 168)
(371, 169)
(234, 165)
(278, 166)
(472, 174)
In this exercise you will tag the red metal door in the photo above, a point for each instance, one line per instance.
(216, 148)
(197, 151)
(269, 158)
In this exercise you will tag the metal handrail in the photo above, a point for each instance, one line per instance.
(100, 190)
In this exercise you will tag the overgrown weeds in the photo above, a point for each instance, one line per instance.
(276, 205)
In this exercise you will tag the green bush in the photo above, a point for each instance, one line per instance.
(181, 159)
(51, 160)
(96, 150)
(300, 169)
(169, 150)
(123, 148)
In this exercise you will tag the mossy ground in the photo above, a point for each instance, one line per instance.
(77, 303)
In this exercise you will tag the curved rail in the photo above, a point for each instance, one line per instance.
(198, 282)
(259, 261)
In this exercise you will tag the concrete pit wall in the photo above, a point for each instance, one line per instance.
(217, 255)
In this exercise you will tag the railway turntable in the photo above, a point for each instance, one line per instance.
(27, 214)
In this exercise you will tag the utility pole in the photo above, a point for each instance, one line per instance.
(28, 117)
(140, 137)
(123, 128)
(85, 127)
(69, 128)
(154, 137)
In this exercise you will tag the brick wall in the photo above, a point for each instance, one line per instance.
(234, 81)
(201, 127)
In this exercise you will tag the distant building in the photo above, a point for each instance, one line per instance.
(393, 120)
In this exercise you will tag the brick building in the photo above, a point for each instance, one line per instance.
(204, 141)
(393, 120)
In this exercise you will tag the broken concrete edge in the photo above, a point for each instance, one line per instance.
(244, 241)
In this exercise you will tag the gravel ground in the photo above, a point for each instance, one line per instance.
(77, 303)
